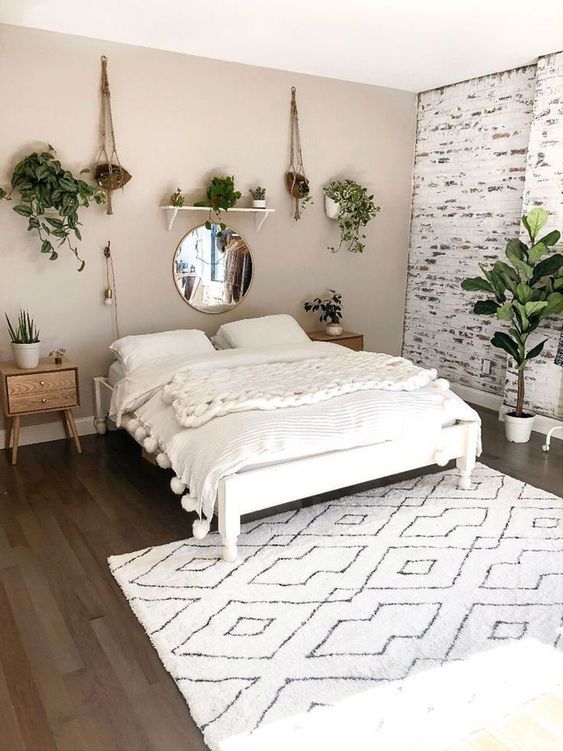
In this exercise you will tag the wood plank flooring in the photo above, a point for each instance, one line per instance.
(77, 672)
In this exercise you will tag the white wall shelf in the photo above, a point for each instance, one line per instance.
(260, 215)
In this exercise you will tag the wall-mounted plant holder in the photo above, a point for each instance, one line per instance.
(260, 215)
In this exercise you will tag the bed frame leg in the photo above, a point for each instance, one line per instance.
(100, 414)
(466, 463)
(229, 525)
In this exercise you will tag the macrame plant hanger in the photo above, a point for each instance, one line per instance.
(109, 174)
(296, 182)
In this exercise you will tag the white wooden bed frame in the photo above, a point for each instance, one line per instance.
(270, 486)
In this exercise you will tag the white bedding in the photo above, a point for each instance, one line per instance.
(202, 456)
(115, 373)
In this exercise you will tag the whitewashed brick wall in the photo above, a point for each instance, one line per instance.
(544, 187)
(470, 164)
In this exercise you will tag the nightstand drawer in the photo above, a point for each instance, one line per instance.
(41, 391)
(354, 342)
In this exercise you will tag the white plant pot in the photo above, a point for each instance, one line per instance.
(26, 355)
(258, 204)
(333, 329)
(518, 429)
(332, 208)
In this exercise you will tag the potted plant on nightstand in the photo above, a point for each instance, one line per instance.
(523, 292)
(258, 197)
(331, 311)
(25, 340)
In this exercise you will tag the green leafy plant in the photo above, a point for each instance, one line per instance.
(258, 193)
(331, 307)
(25, 331)
(357, 209)
(177, 199)
(523, 292)
(50, 198)
(221, 196)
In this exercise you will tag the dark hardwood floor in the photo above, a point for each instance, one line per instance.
(77, 672)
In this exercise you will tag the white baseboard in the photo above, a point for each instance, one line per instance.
(542, 424)
(50, 431)
(476, 396)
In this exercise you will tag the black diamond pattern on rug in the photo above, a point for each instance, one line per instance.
(366, 593)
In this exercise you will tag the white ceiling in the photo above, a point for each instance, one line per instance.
(406, 44)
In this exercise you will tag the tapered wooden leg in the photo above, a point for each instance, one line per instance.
(16, 434)
(66, 426)
(8, 435)
(72, 427)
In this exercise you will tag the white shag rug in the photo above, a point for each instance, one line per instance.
(402, 618)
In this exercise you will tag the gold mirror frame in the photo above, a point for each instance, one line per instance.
(175, 273)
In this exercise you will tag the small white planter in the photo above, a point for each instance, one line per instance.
(518, 429)
(258, 204)
(26, 355)
(332, 208)
(333, 329)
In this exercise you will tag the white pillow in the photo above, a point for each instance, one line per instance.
(219, 341)
(134, 351)
(261, 332)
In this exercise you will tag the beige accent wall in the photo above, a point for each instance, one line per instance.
(179, 120)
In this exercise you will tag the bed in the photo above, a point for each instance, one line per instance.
(233, 460)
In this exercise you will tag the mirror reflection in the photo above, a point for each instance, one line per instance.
(212, 268)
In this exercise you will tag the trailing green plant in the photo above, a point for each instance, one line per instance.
(25, 331)
(331, 307)
(258, 193)
(221, 196)
(177, 199)
(50, 198)
(522, 292)
(357, 209)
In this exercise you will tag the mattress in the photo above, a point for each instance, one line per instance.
(115, 373)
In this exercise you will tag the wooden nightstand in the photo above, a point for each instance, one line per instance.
(346, 338)
(47, 388)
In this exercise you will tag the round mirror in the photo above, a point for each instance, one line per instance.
(212, 268)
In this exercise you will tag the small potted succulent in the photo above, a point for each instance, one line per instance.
(24, 336)
(258, 197)
(331, 311)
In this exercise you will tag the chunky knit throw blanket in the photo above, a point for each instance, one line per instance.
(198, 396)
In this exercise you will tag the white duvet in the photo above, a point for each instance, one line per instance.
(201, 456)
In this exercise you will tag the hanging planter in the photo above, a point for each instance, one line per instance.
(109, 174)
(51, 198)
(349, 203)
(295, 180)
(332, 207)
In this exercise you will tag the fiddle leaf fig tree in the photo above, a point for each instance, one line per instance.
(50, 198)
(522, 292)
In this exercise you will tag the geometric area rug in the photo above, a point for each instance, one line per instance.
(401, 618)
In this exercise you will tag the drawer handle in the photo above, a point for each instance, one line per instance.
(43, 400)
(42, 383)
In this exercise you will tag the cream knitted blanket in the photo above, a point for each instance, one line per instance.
(198, 396)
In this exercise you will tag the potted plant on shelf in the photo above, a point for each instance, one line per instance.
(50, 198)
(221, 196)
(523, 292)
(25, 340)
(177, 199)
(349, 203)
(258, 197)
(331, 311)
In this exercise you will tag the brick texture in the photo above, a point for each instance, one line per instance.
(487, 150)
(544, 187)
